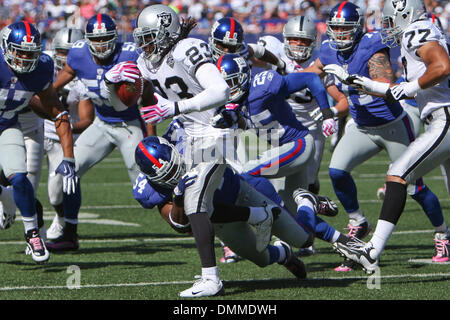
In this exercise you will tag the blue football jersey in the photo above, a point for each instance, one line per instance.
(91, 74)
(365, 109)
(150, 195)
(16, 89)
(267, 108)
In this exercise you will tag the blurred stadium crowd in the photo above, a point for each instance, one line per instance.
(256, 16)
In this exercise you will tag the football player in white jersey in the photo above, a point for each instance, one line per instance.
(426, 63)
(189, 87)
(81, 110)
(300, 37)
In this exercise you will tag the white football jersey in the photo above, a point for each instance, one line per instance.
(302, 102)
(174, 78)
(415, 36)
(76, 91)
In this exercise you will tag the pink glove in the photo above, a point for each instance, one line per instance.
(123, 71)
(158, 112)
(329, 126)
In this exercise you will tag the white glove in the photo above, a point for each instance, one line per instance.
(337, 71)
(160, 111)
(329, 126)
(123, 71)
(403, 90)
(369, 85)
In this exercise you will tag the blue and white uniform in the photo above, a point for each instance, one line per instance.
(112, 127)
(375, 124)
(292, 147)
(16, 91)
(240, 190)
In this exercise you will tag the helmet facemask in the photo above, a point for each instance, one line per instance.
(22, 58)
(153, 42)
(169, 173)
(342, 34)
(298, 52)
(102, 45)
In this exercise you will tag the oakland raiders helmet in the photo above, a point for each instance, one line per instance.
(302, 27)
(159, 161)
(157, 28)
(21, 46)
(62, 42)
(397, 15)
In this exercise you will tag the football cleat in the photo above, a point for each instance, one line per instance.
(362, 253)
(381, 192)
(264, 228)
(229, 256)
(304, 252)
(7, 208)
(291, 262)
(442, 245)
(358, 228)
(66, 242)
(322, 205)
(36, 247)
(345, 266)
(56, 228)
(203, 288)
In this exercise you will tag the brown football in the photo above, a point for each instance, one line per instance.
(128, 92)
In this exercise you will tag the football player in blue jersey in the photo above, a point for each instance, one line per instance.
(376, 123)
(227, 36)
(236, 205)
(26, 72)
(99, 61)
(426, 65)
(263, 101)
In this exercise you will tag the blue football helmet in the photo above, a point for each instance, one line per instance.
(158, 159)
(345, 26)
(237, 73)
(227, 36)
(101, 35)
(21, 46)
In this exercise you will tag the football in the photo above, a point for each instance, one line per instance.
(128, 92)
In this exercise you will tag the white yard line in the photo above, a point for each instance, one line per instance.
(165, 283)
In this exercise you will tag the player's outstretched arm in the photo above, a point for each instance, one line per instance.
(86, 114)
(316, 67)
(64, 77)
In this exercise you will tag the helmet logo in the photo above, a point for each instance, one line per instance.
(28, 41)
(399, 5)
(99, 28)
(165, 19)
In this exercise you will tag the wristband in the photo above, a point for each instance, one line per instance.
(411, 88)
(177, 225)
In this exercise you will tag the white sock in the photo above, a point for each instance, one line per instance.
(30, 223)
(71, 221)
(382, 234)
(305, 203)
(211, 273)
(257, 214)
(441, 229)
(282, 251)
(335, 236)
(356, 215)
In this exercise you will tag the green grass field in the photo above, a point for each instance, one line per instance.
(128, 253)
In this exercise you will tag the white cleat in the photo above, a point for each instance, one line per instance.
(56, 229)
(36, 247)
(203, 288)
(362, 253)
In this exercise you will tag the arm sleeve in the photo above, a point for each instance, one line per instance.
(215, 93)
(298, 81)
